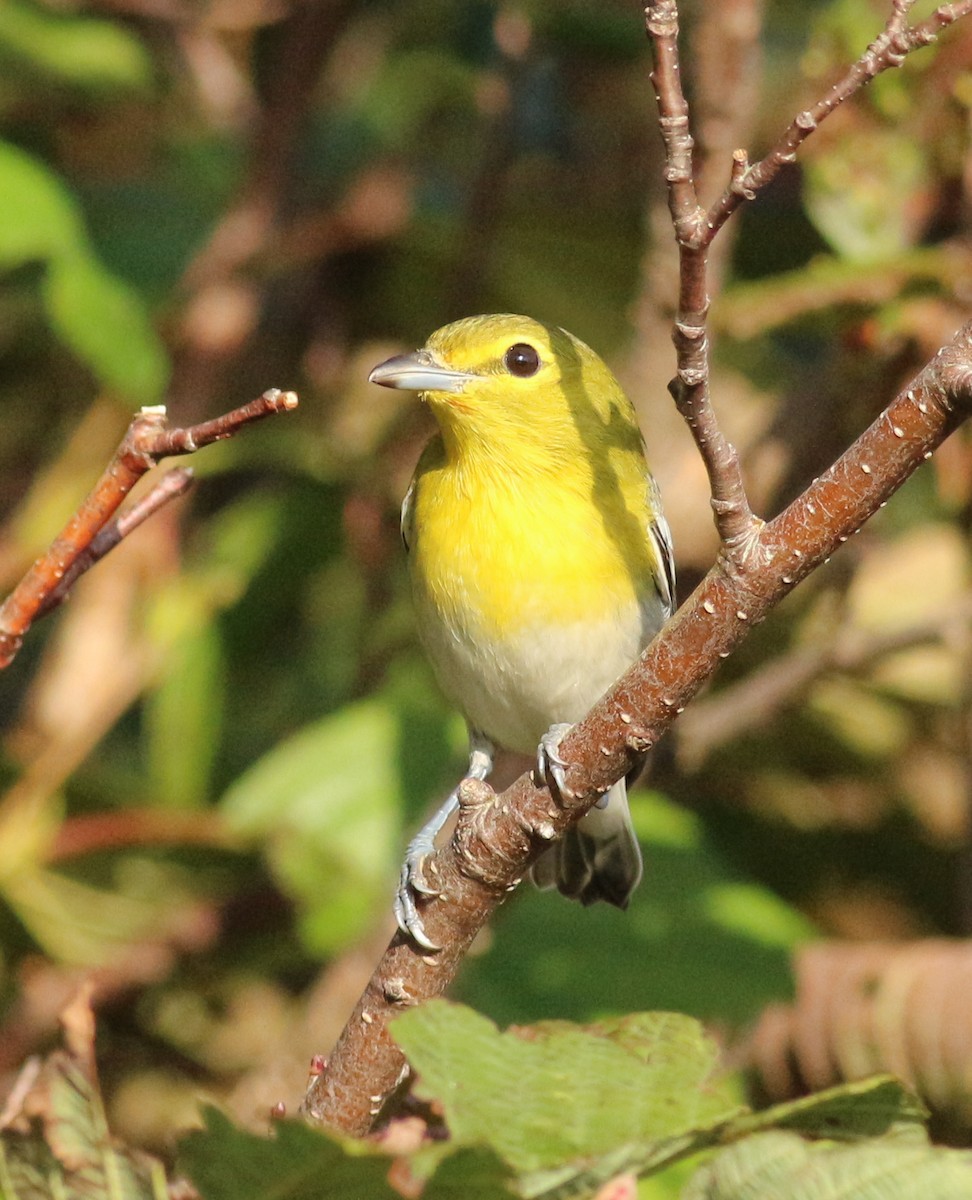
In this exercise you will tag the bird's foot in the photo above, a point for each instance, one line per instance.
(412, 887)
(551, 768)
(413, 883)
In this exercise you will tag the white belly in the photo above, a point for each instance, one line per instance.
(514, 690)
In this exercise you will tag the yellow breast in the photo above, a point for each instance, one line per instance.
(502, 550)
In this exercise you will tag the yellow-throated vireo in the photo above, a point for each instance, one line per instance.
(540, 562)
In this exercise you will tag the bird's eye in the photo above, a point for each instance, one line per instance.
(522, 360)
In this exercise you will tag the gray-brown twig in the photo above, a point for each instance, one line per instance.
(889, 49)
(690, 387)
(89, 535)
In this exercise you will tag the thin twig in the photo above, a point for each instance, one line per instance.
(895, 42)
(690, 388)
(174, 483)
(146, 442)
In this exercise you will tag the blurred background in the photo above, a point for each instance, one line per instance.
(212, 756)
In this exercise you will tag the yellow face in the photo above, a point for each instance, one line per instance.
(514, 361)
(495, 378)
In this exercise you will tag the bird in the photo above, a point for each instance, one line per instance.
(540, 563)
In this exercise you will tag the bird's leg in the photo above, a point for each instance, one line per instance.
(412, 882)
(550, 766)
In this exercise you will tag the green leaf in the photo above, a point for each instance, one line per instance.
(82, 51)
(328, 800)
(782, 1166)
(106, 324)
(471, 1174)
(183, 718)
(41, 218)
(862, 194)
(301, 1163)
(76, 922)
(59, 1145)
(854, 1111)
(863, 1108)
(412, 84)
(580, 1092)
(102, 319)
(297, 1163)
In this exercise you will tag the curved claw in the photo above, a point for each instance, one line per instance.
(412, 883)
(550, 766)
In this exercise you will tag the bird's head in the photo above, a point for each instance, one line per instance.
(490, 377)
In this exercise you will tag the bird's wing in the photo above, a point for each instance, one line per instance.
(408, 505)
(661, 538)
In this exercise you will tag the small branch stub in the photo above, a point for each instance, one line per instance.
(91, 533)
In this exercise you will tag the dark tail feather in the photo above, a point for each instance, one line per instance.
(599, 859)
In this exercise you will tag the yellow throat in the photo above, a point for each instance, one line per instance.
(534, 503)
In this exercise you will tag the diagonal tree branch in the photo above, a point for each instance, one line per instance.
(88, 535)
(498, 837)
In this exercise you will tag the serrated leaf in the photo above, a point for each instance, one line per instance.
(297, 1163)
(782, 1166)
(854, 1111)
(580, 1092)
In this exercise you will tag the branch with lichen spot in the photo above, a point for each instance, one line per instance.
(784, 682)
(92, 532)
(497, 838)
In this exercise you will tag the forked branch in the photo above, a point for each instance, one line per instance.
(92, 532)
(498, 837)
(695, 228)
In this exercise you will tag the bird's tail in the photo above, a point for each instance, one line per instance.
(599, 858)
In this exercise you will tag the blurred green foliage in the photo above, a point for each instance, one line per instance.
(213, 755)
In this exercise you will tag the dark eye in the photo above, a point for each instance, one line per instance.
(522, 360)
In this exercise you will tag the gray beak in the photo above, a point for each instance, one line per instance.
(418, 372)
